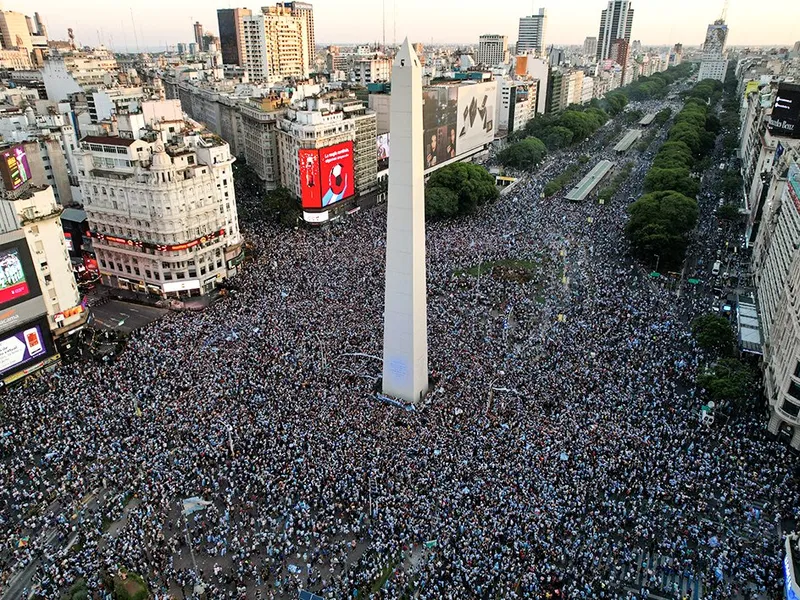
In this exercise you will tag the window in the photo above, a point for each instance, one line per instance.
(103, 263)
(35, 231)
(794, 391)
(128, 268)
(147, 273)
(790, 408)
(797, 370)
(48, 279)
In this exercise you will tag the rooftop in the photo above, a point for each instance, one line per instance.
(108, 140)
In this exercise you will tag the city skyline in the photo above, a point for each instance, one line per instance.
(95, 23)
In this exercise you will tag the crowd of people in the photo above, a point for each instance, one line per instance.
(560, 440)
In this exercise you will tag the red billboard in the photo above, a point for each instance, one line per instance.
(309, 178)
(336, 172)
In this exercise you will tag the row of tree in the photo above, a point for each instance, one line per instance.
(458, 190)
(661, 220)
(572, 126)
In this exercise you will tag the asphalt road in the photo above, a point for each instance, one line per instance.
(124, 316)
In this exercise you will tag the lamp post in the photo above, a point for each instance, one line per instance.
(658, 260)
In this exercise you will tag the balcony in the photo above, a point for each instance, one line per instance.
(30, 215)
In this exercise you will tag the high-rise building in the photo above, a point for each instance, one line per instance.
(305, 11)
(160, 203)
(40, 28)
(492, 49)
(14, 31)
(198, 34)
(714, 63)
(532, 33)
(275, 44)
(231, 34)
(590, 46)
(616, 22)
(374, 69)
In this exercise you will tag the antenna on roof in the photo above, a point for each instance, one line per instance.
(725, 10)
(135, 35)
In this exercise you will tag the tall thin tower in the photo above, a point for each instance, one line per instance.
(405, 318)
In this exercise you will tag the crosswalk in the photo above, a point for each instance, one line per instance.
(660, 576)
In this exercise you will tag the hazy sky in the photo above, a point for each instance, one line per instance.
(569, 21)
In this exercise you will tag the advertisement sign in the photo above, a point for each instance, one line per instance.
(29, 343)
(383, 146)
(181, 286)
(336, 172)
(439, 105)
(18, 280)
(309, 178)
(160, 247)
(315, 217)
(91, 264)
(66, 314)
(10, 317)
(68, 241)
(793, 185)
(476, 113)
(14, 167)
(785, 118)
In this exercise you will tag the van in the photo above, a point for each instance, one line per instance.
(716, 268)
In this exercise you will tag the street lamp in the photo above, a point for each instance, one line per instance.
(658, 260)
(321, 350)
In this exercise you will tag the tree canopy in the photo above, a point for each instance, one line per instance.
(678, 179)
(714, 334)
(525, 154)
(472, 186)
(728, 380)
(659, 223)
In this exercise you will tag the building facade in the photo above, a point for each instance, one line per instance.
(372, 70)
(714, 64)
(276, 45)
(231, 34)
(305, 11)
(162, 209)
(492, 50)
(616, 22)
(532, 31)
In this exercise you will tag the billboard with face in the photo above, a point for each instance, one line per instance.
(309, 178)
(439, 124)
(337, 173)
(475, 124)
(383, 146)
(14, 167)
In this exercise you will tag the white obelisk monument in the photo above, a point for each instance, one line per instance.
(405, 320)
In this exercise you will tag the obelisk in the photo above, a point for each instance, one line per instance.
(405, 317)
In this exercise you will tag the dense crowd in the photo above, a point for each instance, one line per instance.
(561, 438)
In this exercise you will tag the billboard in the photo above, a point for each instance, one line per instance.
(475, 115)
(14, 167)
(439, 105)
(18, 281)
(25, 345)
(309, 178)
(337, 173)
(383, 146)
(785, 118)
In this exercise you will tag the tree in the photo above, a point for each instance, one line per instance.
(663, 116)
(659, 223)
(282, 207)
(523, 155)
(678, 180)
(729, 380)
(557, 137)
(729, 212)
(714, 334)
(440, 203)
(472, 184)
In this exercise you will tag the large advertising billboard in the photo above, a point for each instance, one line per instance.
(309, 178)
(14, 167)
(439, 124)
(18, 281)
(337, 173)
(327, 176)
(476, 115)
(383, 146)
(785, 118)
(24, 346)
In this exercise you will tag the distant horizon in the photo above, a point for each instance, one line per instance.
(95, 22)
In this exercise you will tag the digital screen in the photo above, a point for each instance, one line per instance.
(309, 178)
(14, 167)
(13, 281)
(22, 347)
(336, 173)
(785, 118)
(439, 118)
(383, 146)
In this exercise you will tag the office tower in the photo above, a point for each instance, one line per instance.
(532, 33)
(14, 31)
(590, 46)
(31, 26)
(616, 22)
(40, 28)
(276, 45)
(305, 11)
(714, 63)
(231, 34)
(198, 34)
(492, 49)
(405, 329)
